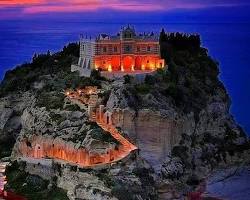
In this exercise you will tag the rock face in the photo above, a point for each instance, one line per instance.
(62, 135)
(155, 131)
(125, 180)
(176, 144)
(230, 183)
(210, 140)
(11, 109)
(166, 134)
(82, 185)
(152, 132)
(179, 119)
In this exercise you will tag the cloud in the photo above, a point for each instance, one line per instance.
(8, 3)
(43, 6)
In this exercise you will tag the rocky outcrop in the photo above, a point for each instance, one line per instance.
(124, 180)
(178, 118)
(63, 135)
(83, 185)
(177, 143)
(155, 129)
(11, 109)
(212, 139)
(154, 133)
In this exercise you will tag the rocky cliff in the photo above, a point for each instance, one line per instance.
(178, 117)
(11, 110)
(159, 126)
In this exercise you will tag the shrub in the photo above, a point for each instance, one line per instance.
(57, 118)
(22, 77)
(150, 80)
(102, 135)
(142, 88)
(105, 97)
(106, 178)
(127, 79)
(51, 100)
(73, 107)
(31, 186)
(122, 192)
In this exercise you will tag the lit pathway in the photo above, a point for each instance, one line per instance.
(81, 156)
(126, 146)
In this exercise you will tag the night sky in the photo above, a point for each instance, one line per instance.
(27, 8)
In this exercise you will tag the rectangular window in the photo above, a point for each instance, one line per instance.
(138, 49)
(115, 49)
(128, 48)
(148, 48)
(104, 49)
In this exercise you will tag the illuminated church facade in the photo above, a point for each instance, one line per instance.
(125, 52)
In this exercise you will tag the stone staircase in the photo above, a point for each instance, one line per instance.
(93, 117)
(126, 147)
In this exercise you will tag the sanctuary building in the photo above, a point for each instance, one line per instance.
(126, 52)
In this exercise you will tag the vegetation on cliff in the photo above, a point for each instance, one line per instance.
(47, 75)
(6, 144)
(188, 85)
(191, 85)
(30, 186)
(191, 78)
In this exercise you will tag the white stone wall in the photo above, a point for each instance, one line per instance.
(86, 57)
(87, 53)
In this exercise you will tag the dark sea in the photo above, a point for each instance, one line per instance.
(228, 43)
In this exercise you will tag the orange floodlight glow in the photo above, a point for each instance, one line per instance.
(110, 68)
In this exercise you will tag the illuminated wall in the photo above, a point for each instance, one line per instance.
(128, 62)
(40, 147)
(128, 51)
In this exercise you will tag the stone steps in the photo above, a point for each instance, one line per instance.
(126, 146)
